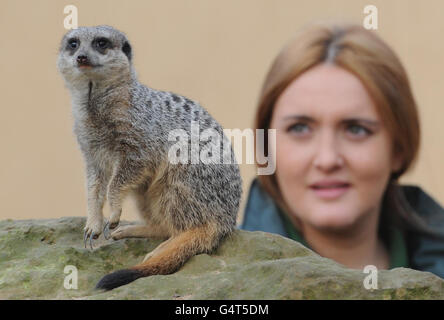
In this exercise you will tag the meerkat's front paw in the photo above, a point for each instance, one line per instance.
(109, 225)
(92, 230)
(112, 223)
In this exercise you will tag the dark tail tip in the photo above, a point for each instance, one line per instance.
(118, 278)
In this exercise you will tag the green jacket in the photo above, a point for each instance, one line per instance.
(412, 250)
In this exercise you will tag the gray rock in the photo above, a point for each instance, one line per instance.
(248, 265)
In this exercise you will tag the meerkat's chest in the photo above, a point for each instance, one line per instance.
(97, 151)
(97, 141)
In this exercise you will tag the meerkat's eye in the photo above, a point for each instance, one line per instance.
(73, 43)
(102, 43)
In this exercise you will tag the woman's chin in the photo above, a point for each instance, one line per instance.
(333, 223)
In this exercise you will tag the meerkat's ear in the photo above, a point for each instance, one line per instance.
(126, 48)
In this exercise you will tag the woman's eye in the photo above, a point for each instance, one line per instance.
(357, 130)
(298, 128)
(354, 130)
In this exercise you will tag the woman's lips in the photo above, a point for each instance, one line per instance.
(330, 192)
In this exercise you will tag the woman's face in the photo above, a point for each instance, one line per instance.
(333, 153)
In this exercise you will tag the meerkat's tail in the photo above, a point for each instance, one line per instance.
(167, 258)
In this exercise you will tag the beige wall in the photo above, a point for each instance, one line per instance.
(216, 52)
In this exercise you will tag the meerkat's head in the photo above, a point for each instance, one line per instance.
(97, 53)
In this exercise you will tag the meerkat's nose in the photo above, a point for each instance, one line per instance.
(82, 59)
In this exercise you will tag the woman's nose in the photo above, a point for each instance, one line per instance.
(327, 154)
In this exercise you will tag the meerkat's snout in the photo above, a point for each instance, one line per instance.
(83, 61)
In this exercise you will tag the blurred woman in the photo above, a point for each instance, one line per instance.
(347, 128)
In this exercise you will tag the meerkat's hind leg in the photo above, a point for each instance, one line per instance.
(135, 231)
(139, 195)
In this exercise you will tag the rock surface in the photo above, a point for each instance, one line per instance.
(248, 265)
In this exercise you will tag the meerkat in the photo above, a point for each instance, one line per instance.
(122, 128)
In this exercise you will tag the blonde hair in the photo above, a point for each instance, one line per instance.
(369, 58)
